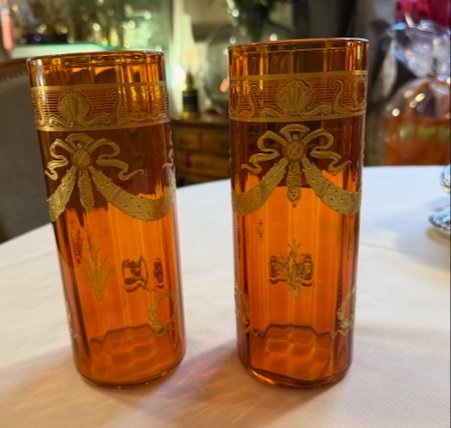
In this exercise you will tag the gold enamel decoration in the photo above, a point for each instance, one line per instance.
(296, 143)
(162, 326)
(135, 274)
(85, 171)
(298, 96)
(70, 322)
(97, 270)
(345, 314)
(99, 106)
(242, 309)
(294, 269)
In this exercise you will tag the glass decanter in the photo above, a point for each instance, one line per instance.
(416, 120)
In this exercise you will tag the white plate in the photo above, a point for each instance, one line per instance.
(441, 221)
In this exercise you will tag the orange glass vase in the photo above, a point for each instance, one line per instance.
(104, 130)
(297, 113)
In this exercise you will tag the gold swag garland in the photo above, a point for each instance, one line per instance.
(85, 171)
(294, 164)
(85, 108)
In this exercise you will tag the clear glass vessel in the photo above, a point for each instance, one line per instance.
(415, 123)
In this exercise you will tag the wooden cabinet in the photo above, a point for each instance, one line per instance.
(202, 148)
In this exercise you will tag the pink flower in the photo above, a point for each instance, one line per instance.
(437, 11)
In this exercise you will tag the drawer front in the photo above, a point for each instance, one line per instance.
(186, 139)
(203, 164)
(216, 141)
(184, 178)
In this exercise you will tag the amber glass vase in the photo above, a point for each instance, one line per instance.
(297, 113)
(104, 130)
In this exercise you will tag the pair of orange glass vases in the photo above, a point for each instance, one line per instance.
(296, 111)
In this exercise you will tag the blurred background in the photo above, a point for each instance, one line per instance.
(409, 46)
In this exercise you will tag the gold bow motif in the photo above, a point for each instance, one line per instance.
(296, 142)
(85, 172)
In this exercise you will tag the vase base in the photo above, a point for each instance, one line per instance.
(134, 383)
(288, 382)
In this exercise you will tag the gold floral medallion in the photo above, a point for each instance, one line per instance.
(294, 269)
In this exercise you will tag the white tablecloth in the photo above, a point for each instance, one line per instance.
(400, 376)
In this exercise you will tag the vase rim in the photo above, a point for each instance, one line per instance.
(307, 44)
(98, 57)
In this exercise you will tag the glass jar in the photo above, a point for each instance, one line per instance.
(416, 122)
(415, 126)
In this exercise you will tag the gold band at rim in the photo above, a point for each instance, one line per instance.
(298, 45)
(284, 76)
(97, 58)
(98, 86)
(88, 107)
(298, 96)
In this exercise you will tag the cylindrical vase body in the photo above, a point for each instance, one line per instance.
(103, 125)
(297, 113)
